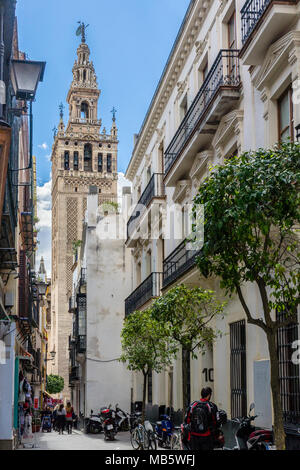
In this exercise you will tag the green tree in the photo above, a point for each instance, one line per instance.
(186, 315)
(55, 383)
(144, 346)
(251, 207)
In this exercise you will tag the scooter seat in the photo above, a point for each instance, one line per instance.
(158, 423)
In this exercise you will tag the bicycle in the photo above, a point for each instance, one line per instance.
(139, 438)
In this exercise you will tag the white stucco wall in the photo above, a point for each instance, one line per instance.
(108, 282)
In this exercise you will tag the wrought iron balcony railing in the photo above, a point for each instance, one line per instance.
(81, 344)
(155, 188)
(147, 290)
(178, 263)
(224, 73)
(251, 13)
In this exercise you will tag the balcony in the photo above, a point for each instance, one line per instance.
(154, 189)
(263, 22)
(179, 262)
(74, 374)
(216, 97)
(147, 290)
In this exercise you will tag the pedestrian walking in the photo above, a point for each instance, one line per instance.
(61, 418)
(201, 419)
(69, 417)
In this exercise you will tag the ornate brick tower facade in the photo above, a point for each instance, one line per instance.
(82, 155)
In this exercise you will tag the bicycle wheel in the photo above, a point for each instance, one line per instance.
(135, 439)
(144, 439)
(175, 442)
(152, 441)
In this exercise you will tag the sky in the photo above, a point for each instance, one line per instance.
(129, 41)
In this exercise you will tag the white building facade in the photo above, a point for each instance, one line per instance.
(231, 84)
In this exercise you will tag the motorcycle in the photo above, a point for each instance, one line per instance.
(93, 424)
(110, 428)
(164, 430)
(248, 438)
(122, 419)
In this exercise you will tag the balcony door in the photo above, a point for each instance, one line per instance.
(232, 45)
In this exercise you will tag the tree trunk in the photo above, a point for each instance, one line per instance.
(144, 396)
(185, 357)
(279, 433)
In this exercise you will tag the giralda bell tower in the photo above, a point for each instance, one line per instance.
(83, 155)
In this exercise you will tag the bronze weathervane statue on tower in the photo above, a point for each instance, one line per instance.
(81, 30)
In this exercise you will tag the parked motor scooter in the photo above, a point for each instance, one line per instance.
(93, 424)
(109, 424)
(164, 430)
(248, 438)
(122, 419)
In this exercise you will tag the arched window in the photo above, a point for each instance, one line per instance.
(88, 153)
(84, 75)
(66, 160)
(84, 110)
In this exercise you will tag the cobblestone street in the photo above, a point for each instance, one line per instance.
(80, 441)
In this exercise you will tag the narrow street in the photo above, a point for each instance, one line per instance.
(80, 441)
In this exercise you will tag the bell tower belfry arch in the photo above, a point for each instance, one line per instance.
(83, 155)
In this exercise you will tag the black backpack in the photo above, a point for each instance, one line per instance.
(199, 417)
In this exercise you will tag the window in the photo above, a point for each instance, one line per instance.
(231, 32)
(289, 379)
(76, 161)
(67, 160)
(238, 369)
(100, 162)
(285, 116)
(109, 163)
(88, 157)
(84, 110)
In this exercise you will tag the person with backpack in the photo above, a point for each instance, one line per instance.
(201, 421)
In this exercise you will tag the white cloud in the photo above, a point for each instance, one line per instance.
(43, 146)
(122, 181)
(48, 157)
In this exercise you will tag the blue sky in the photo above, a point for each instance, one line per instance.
(129, 41)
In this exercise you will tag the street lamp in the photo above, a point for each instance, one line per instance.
(25, 76)
(42, 287)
